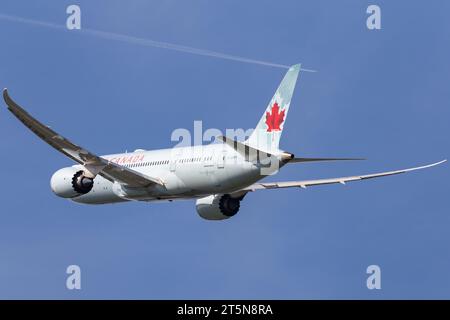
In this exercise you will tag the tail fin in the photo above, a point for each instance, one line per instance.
(267, 133)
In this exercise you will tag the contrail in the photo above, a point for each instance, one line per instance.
(146, 42)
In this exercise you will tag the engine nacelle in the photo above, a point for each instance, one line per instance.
(218, 207)
(70, 182)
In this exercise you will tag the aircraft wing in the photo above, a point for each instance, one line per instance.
(95, 164)
(307, 183)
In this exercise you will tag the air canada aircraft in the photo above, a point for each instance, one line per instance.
(217, 175)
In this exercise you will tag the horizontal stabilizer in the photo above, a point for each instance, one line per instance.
(322, 159)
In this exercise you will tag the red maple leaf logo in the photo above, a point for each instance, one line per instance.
(274, 118)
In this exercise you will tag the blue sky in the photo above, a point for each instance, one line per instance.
(378, 94)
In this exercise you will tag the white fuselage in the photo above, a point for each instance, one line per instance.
(187, 172)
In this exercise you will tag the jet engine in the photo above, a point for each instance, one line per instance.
(71, 182)
(218, 207)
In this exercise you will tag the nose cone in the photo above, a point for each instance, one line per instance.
(61, 183)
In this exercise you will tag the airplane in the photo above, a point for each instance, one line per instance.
(218, 175)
